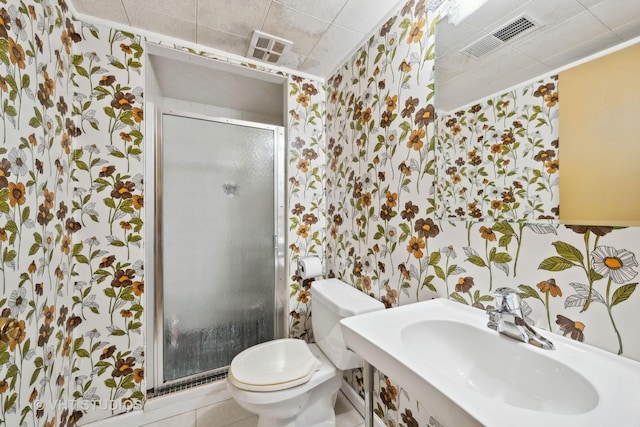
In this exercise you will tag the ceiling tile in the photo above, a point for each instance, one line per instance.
(302, 29)
(521, 75)
(628, 31)
(500, 63)
(221, 40)
(459, 91)
(616, 13)
(589, 3)
(327, 10)
(336, 43)
(553, 12)
(454, 37)
(361, 15)
(161, 23)
(183, 10)
(562, 37)
(239, 17)
(582, 50)
(495, 11)
(110, 11)
(292, 60)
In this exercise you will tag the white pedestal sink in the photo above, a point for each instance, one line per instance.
(469, 375)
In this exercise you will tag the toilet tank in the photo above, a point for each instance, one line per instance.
(332, 300)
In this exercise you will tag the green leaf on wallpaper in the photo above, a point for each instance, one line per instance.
(505, 240)
(117, 64)
(109, 202)
(81, 259)
(556, 263)
(117, 153)
(593, 275)
(117, 332)
(10, 110)
(435, 258)
(456, 296)
(109, 112)
(476, 260)
(500, 257)
(528, 292)
(10, 401)
(117, 243)
(439, 272)
(623, 293)
(34, 249)
(503, 227)
(77, 59)
(82, 71)
(128, 383)
(109, 292)
(11, 226)
(35, 375)
(81, 352)
(77, 343)
(26, 80)
(568, 251)
(134, 325)
(110, 382)
(82, 165)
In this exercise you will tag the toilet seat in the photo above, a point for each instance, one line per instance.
(273, 365)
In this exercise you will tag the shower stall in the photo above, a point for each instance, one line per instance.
(218, 243)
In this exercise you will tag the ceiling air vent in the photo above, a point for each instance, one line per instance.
(267, 48)
(520, 26)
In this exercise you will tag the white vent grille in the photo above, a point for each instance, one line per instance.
(507, 33)
(267, 48)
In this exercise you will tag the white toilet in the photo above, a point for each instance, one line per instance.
(289, 383)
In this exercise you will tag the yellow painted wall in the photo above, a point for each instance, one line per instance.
(600, 140)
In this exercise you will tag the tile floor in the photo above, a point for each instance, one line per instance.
(346, 416)
(229, 414)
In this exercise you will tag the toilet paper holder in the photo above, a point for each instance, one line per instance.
(307, 263)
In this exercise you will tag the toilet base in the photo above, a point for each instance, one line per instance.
(319, 411)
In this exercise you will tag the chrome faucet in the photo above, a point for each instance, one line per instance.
(507, 319)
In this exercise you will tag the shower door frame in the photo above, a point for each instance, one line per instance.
(155, 328)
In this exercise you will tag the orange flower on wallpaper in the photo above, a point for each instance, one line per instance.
(550, 287)
(415, 247)
(16, 54)
(416, 33)
(487, 234)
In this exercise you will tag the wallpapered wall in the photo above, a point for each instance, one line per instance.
(389, 180)
(72, 198)
(71, 202)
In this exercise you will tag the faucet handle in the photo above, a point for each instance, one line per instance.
(507, 300)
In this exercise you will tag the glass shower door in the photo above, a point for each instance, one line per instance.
(217, 241)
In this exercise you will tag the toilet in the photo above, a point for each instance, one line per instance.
(290, 383)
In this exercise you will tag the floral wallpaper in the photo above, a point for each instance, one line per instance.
(367, 181)
(70, 227)
(499, 159)
(305, 193)
(415, 212)
(72, 202)
(381, 137)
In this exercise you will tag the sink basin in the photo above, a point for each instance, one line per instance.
(469, 375)
(493, 366)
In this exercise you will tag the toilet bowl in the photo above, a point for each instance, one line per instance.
(290, 383)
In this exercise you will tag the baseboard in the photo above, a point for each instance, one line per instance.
(358, 402)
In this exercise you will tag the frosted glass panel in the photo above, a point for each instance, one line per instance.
(218, 264)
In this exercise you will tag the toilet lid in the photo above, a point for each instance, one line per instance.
(273, 365)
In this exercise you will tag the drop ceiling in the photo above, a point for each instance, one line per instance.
(571, 30)
(326, 32)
